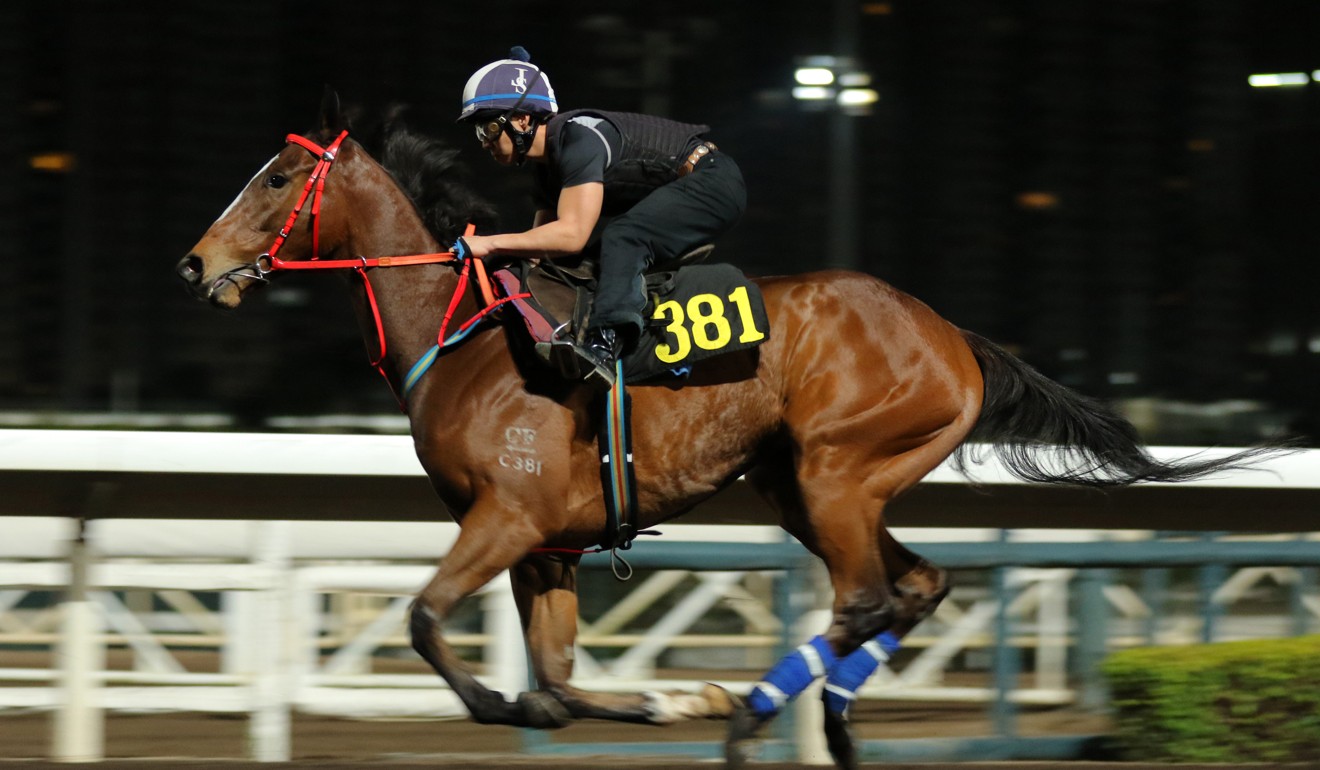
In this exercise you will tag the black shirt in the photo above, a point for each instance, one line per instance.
(589, 145)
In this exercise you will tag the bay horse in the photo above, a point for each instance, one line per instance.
(858, 393)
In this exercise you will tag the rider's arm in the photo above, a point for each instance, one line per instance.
(565, 232)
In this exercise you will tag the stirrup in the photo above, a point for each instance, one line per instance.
(563, 356)
(600, 376)
(573, 363)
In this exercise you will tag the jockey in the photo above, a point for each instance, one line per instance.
(661, 188)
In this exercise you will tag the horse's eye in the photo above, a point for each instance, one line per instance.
(276, 181)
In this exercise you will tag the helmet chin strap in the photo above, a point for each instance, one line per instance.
(522, 140)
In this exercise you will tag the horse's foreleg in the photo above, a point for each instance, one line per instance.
(479, 554)
(546, 592)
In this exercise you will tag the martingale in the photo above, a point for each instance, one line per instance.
(694, 313)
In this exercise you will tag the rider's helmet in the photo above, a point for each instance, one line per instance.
(505, 88)
(513, 84)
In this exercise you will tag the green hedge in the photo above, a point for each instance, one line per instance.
(1256, 701)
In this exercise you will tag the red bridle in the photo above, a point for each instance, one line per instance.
(269, 262)
(325, 158)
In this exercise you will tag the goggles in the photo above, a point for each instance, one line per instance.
(489, 131)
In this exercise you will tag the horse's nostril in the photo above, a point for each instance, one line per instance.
(190, 269)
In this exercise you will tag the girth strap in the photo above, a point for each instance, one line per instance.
(618, 479)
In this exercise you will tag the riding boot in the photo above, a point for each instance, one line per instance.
(600, 350)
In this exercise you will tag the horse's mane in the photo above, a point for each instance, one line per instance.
(428, 171)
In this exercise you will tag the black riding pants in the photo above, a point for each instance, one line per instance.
(691, 211)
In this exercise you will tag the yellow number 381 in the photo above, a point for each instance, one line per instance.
(704, 324)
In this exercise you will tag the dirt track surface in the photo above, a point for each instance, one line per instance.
(459, 762)
(176, 741)
(186, 740)
(324, 740)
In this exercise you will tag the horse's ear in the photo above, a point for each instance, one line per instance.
(332, 117)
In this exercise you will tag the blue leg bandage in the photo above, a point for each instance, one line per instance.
(790, 677)
(848, 675)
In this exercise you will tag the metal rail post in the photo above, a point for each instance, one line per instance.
(1211, 577)
(1154, 592)
(269, 730)
(1003, 712)
(1092, 632)
(1297, 595)
(79, 734)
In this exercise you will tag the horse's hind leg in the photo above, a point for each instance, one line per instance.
(546, 591)
(918, 587)
(882, 590)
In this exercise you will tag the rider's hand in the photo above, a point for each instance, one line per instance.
(477, 246)
(461, 250)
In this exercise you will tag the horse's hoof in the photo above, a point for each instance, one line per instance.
(720, 701)
(543, 711)
(743, 725)
(839, 740)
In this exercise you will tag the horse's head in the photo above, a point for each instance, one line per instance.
(279, 211)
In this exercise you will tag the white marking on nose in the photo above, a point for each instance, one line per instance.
(234, 202)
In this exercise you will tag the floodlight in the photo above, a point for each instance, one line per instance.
(814, 76)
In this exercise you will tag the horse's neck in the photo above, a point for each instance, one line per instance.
(411, 300)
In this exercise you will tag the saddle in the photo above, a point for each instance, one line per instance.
(694, 311)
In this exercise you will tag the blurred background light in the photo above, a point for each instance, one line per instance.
(55, 162)
(1037, 199)
(1276, 79)
(857, 97)
(812, 93)
(814, 76)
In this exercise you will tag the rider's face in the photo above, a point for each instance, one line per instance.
(500, 145)
(501, 148)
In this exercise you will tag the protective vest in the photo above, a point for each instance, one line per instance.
(653, 150)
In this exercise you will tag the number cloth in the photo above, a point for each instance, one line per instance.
(711, 310)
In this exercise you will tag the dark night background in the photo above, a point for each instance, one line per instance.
(1093, 184)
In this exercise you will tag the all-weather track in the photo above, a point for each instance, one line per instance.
(178, 741)
(466, 762)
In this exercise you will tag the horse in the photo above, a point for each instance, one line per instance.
(859, 391)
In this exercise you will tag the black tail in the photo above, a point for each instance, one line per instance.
(1045, 432)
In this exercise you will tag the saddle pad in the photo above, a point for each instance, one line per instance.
(694, 313)
(710, 310)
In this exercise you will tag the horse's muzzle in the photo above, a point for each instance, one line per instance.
(190, 269)
(224, 291)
